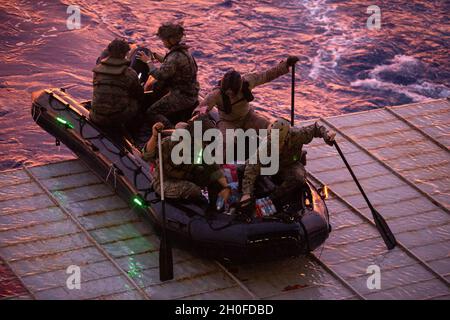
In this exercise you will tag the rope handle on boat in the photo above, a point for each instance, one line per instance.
(114, 170)
(39, 113)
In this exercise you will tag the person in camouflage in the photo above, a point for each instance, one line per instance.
(292, 172)
(178, 73)
(117, 92)
(233, 95)
(184, 181)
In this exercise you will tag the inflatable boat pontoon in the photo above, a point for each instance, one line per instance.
(221, 235)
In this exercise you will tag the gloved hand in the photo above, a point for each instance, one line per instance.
(200, 110)
(145, 58)
(291, 60)
(329, 137)
(156, 128)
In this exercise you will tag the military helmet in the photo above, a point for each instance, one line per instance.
(283, 126)
(206, 122)
(170, 30)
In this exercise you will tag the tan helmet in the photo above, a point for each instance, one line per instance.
(283, 126)
(171, 30)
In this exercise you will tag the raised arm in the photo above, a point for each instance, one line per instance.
(258, 78)
(304, 135)
(208, 103)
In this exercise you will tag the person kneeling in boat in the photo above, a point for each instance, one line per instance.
(178, 73)
(291, 175)
(185, 181)
(117, 91)
(234, 93)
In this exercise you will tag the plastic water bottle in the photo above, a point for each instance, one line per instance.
(267, 205)
(258, 208)
(263, 207)
(272, 207)
(219, 203)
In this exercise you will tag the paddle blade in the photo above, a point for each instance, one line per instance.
(165, 259)
(385, 231)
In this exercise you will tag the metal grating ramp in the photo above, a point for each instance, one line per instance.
(401, 158)
(60, 214)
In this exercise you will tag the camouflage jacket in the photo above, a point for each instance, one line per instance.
(178, 72)
(200, 174)
(289, 154)
(240, 106)
(116, 89)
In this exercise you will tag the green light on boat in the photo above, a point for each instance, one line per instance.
(199, 157)
(137, 200)
(64, 122)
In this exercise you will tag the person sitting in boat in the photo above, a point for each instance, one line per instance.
(185, 181)
(291, 175)
(234, 93)
(178, 73)
(117, 92)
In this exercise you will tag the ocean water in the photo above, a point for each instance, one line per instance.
(344, 66)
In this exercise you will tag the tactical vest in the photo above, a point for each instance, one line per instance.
(184, 82)
(111, 90)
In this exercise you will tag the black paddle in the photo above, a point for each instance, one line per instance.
(293, 95)
(165, 248)
(381, 224)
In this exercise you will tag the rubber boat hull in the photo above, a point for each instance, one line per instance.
(221, 235)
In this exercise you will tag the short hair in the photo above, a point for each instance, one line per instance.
(118, 48)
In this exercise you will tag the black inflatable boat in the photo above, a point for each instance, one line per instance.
(221, 235)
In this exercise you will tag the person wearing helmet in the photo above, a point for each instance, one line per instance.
(291, 174)
(233, 95)
(116, 89)
(185, 180)
(178, 73)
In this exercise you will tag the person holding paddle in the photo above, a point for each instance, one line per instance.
(233, 95)
(292, 174)
(185, 181)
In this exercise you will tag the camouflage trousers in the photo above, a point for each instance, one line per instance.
(185, 189)
(171, 106)
(290, 178)
(178, 189)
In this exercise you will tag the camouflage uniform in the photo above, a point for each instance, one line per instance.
(117, 93)
(292, 172)
(178, 73)
(184, 180)
(242, 115)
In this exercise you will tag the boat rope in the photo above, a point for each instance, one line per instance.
(113, 169)
(33, 114)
